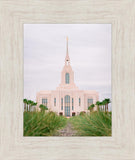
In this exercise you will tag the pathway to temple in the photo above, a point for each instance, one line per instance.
(67, 131)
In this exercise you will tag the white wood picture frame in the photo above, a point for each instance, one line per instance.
(15, 13)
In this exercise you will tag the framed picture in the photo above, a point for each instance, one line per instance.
(18, 18)
(67, 80)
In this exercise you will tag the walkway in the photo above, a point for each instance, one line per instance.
(67, 131)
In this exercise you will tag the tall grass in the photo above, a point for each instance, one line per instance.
(94, 124)
(42, 124)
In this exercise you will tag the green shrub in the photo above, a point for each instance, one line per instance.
(82, 113)
(42, 123)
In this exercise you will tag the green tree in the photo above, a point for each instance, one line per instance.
(32, 104)
(35, 103)
(104, 103)
(98, 104)
(91, 107)
(25, 104)
(43, 108)
(107, 102)
(29, 104)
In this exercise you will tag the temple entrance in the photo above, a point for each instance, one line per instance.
(67, 106)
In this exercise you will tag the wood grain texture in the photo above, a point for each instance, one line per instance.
(13, 14)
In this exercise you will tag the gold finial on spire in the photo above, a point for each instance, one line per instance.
(67, 44)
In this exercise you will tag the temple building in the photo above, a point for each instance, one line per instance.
(67, 99)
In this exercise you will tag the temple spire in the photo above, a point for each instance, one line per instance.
(67, 45)
(67, 59)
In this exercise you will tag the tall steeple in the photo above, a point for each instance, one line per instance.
(67, 59)
(67, 74)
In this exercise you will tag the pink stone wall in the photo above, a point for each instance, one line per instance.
(75, 94)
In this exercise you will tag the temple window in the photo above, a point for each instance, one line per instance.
(44, 101)
(67, 105)
(72, 104)
(54, 101)
(79, 101)
(61, 103)
(67, 78)
(90, 101)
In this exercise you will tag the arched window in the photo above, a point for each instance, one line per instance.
(67, 99)
(67, 105)
(67, 78)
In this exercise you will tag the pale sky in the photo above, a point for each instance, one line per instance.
(45, 51)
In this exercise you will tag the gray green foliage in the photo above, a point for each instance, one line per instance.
(42, 123)
(94, 124)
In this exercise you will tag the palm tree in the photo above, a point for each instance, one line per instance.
(43, 108)
(34, 104)
(91, 107)
(107, 102)
(104, 102)
(25, 104)
(29, 104)
(98, 104)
